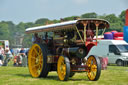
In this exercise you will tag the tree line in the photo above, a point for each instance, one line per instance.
(15, 33)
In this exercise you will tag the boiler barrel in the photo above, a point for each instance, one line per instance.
(77, 52)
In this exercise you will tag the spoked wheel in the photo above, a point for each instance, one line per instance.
(94, 66)
(37, 61)
(63, 68)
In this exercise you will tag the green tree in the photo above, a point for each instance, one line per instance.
(112, 18)
(71, 18)
(101, 16)
(42, 21)
(20, 28)
(55, 21)
(122, 17)
(11, 28)
(89, 15)
(4, 31)
(28, 24)
(27, 41)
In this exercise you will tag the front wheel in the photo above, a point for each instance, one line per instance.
(63, 68)
(94, 67)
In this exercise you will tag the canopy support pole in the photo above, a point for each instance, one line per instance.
(79, 34)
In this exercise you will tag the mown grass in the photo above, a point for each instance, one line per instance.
(114, 75)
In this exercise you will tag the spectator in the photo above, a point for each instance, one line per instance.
(24, 58)
(17, 60)
(1, 54)
(8, 55)
(26, 52)
(1, 63)
(12, 51)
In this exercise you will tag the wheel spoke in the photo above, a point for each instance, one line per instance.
(34, 66)
(94, 74)
(40, 55)
(40, 51)
(94, 68)
(89, 74)
(33, 58)
(36, 52)
(32, 53)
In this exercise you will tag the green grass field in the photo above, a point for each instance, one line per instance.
(114, 75)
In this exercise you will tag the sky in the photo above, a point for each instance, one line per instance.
(31, 10)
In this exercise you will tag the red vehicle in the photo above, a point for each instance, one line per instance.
(63, 47)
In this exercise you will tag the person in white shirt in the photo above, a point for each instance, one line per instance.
(1, 54)
(8, 55)
(1, 63)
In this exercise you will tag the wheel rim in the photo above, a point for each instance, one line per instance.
(35, 60)
(61, 68)
(119, 63)
(92, 65)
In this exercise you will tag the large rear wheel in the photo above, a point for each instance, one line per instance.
(63, 68)
(37, 61)
(94, 66)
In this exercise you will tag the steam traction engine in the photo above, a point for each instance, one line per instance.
(63, 47)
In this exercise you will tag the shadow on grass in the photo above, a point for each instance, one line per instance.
(78, 79)
(57, 79)
(47, 78)
(51, 77)
(23, 75)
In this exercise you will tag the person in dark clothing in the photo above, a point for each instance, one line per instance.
(12, 51)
